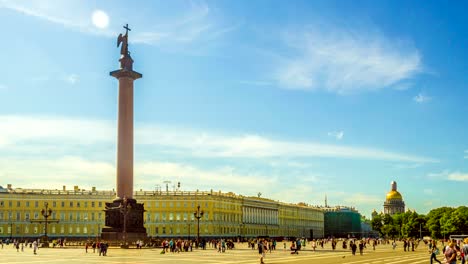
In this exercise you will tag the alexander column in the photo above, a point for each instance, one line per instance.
(124, 216)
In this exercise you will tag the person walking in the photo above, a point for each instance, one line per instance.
(35, 247)
(434, 252)
(261, 251)
(451, 254)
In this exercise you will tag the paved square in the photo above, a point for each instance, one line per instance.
(242, 255)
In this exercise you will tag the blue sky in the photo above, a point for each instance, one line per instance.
(293, 99)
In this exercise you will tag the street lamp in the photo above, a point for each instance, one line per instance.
(198, 214)
(45, 212)
(125, 208)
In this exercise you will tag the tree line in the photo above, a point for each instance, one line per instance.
(438, 223)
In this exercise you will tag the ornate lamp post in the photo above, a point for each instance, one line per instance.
(125, 208)
(46, 213)
(198, 214)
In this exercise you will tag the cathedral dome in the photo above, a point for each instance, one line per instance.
(394, 195)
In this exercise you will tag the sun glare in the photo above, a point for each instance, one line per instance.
(100, 19)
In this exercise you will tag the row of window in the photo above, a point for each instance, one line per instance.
(53, 204)
(70, 216)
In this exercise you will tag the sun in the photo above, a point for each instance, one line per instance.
(100, 19)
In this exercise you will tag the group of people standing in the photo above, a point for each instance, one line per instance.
(100, 246)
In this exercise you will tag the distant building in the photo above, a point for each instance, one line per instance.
(168, 214)
(394, 203)
(342, 222)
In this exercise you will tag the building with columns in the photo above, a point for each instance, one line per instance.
(80, 214)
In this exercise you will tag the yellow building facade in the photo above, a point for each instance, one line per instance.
(80, 214)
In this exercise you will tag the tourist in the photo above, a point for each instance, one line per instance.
(451, 253)
(261, 250)
(35, 247)
(464, 251)
(434, 251)
(361, 247)
(353, 247)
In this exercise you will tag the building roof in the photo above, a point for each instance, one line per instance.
(394, 195)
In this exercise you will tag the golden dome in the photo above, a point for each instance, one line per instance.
(394, 195)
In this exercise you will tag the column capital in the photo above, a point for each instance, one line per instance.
(126, 73)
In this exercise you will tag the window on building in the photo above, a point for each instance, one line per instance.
(100, 204)
(2, 203)
(92, 204)
(78, 216)
(62, 229)
(163, 216)
(18, 204)
(164, 230)
(148, 204)
(26, 229)
(70, 230)
(1, 229)
(86, 204)
(156, 217)
(36, 204)
(163, 204)
(85, 230)
(156, 204)
(78, 204)
(35, 229)
(26, 216)
(53, 229)
(27, 203)
(10, 203)
(18, 216)
(54, 204)
(171, 204)
(185, 216)
(178, 204)
(171, 217)
(71, 204)
(92, 216)
(70, 217)
(156, 230)
(148, 217)
(178, 230)
(178, 216)
(36, 215)
(62, 216)
(63, 204)
(100, 216)
(85, 216)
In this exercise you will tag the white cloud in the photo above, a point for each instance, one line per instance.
(466, 154)
(338, 135)
(72, 78)
(458, 176)
(428, 191)
(421, 98)
(20, 129)
(450, 175)
(343, 61)
(407, 166)
(192, 22)
(70, 14)
(256, 83)
(361, 198)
